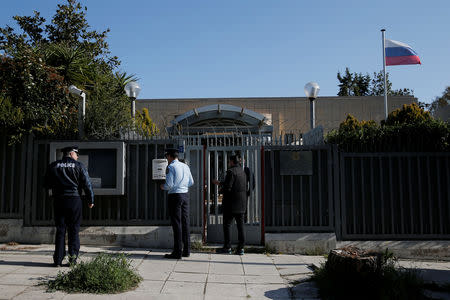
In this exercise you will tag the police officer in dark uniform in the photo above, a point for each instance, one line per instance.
(234, 203)
(67, 178)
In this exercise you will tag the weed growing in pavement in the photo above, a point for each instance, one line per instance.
(104, 274)
(197, 246)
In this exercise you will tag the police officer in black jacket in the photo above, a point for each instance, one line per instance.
(67, 178)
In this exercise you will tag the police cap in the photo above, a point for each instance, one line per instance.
(70, 149)
(171, 151)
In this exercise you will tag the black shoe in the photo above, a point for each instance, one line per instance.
(186, 254)
(172, 256)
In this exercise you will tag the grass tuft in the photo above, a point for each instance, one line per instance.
(103, 274)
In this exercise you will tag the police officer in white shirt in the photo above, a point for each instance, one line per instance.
(178, 181)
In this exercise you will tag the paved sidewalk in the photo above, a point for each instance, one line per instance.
(201, 276)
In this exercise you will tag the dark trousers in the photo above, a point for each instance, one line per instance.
(179, 217)
(67, 215)
(227, 220)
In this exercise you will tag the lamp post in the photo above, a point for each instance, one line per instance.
(311, 91)
(81, 108)
(132, 89)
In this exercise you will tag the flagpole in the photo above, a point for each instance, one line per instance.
(384, 75)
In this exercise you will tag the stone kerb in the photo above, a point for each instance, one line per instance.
(301, 243)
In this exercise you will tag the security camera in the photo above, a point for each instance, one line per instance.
(76, 91)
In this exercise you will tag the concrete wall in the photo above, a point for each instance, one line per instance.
(12, 230)
(289, 114)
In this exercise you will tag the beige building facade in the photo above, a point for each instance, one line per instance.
(283, 115)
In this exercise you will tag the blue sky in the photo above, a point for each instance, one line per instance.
(261, 48)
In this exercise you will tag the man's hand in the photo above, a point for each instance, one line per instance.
(215, 181)
(161, 187)
(91, 205)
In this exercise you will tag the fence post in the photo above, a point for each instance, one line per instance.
(29, 145)
(263, 229)
(337, 193)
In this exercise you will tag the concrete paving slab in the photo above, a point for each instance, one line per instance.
(170, 263)
(294, 269)
(198, 256)
(225, 269)
(268, 291)
(94, 297)
(154, 275)
(269, 279)
(21, 279)
(225, 258)
(50, 271)
(39, 293)
(4, 268)
(150, 286)
(256, 258)
(220, 278)
(226, 290)
(305, 290)
(146, 296)
(183, 288)
(192, 267)
(187, 277)
(215, 297)
(296, 278)
(9, 291)
(258, 270)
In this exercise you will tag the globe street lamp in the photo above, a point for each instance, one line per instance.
(81, 108)
(311, 91)
(132, 89)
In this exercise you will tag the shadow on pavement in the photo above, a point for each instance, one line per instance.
(25, 263)
(439, 277)
(281, 293)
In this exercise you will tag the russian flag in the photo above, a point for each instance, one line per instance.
(398, 53)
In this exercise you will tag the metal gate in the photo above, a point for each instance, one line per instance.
(217, 151)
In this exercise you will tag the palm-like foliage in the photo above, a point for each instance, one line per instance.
(73, 63)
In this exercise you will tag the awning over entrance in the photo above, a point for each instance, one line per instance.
(220, 118)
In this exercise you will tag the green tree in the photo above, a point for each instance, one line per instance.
(144, 124)
(407, 129)
(357, 84)
(410, 114)
(353, 84)
(377, 86)
(441, 101)
(35, 92)
(68, 26)
(68, 52)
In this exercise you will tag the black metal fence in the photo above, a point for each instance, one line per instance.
(357, 195)
(14, 185)
(144, 203)
(298, 202)
(394, 196)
